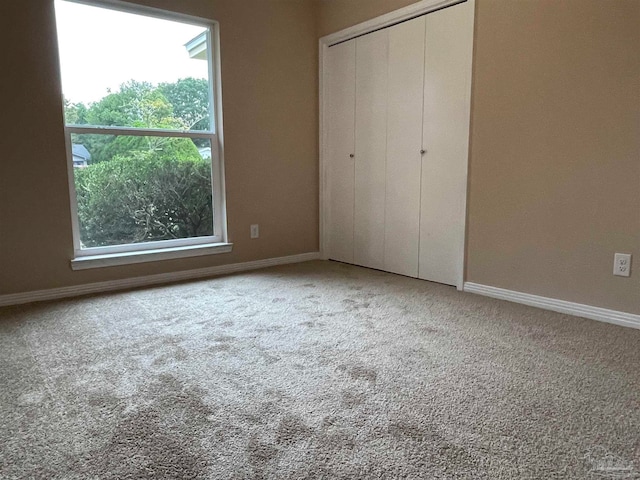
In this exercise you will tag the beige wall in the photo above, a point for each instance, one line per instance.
(555, 144)
(334, 15)
(269, 70)
(555, 162)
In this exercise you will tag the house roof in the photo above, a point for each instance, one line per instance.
(197, 47)
(80, 151)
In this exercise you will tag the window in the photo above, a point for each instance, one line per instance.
(142, 124)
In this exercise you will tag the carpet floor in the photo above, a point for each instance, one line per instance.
(314, 371)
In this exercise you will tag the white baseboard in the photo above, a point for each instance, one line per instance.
(578, 309)
(99, 287)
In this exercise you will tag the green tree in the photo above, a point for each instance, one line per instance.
(135, 104)
(190, 100)
(143, 188)
(75, 113)
(146, 197)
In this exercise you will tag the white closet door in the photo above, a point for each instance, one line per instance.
(339, 120)
(449, 45)
(371, 148)
(404, 141)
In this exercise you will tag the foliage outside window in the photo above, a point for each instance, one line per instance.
(143, 147)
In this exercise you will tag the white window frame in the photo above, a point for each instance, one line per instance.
(165, 249)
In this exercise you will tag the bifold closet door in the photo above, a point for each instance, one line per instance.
(404, 142)
(371, 149)
(339, 119)
(447, 86)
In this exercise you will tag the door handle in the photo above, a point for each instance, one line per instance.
(423, 151)
(351, 155)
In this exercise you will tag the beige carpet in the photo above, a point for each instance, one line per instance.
(314, 371)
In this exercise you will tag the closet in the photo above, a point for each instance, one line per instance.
(395, 133)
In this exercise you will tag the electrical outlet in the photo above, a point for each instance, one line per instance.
(255, 231)
(622, 264)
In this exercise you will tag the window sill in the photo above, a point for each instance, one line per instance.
(126, 258)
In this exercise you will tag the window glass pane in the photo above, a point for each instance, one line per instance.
(128, 70)
(134, 189)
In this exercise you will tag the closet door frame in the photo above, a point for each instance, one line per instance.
(419, 8)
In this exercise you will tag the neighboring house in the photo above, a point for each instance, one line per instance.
(81, 156)
(205, 152)
(197, 47)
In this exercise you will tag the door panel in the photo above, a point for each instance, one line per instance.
(448, 51)
(339, 112)
(371, 147)
(404, 141)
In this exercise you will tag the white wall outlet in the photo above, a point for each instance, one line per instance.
(622, 264)
(255, 231)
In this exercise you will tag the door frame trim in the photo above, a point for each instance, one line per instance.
(406, 13)
(411, 11)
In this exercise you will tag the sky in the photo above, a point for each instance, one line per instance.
(100, 49)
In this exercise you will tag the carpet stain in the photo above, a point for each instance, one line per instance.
(103, 401)
(259, 455)
(160, 439)
(178, 354)
(224, 338)
(413, 431)
(270, 409)
(292, 429)
(356, 304)
(272, 328)
(222, 347)
(171, 340)
(366, 295)
(352, 399)
(359, 372)
(269, 359)
(329, 421)
(259, 452)
(337, 440)
(428, 329)
(275, 393)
